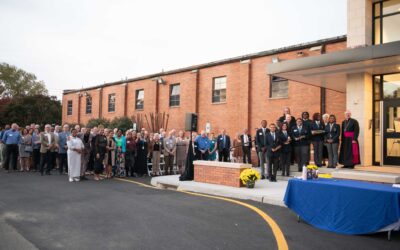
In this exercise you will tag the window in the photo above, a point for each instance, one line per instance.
(278, 87)
(69, 108)
(111, 103)
(386, 21)
(219, 89)
(174, 95)
(139, 99)
(88, 105)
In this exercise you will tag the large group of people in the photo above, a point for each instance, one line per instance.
(286, 141)
(107, 153)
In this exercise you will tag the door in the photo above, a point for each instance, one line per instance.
(391, 132)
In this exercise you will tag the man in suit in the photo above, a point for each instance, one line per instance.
(224, 146)
(300, 137)
(169, 145)
(247, 144)
(261, 140)
(349, 148)
(47, 147)
(317, 138)
(273, 151)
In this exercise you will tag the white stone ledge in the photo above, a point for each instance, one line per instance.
(222, 164)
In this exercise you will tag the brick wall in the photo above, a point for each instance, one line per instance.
(247, 103)
(218, 175)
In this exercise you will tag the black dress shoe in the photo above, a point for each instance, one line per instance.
(262, 177)
(41, 173)
(48, 173)
(83, 178)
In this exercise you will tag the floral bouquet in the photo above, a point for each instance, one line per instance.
(249, 177)
(312, 172)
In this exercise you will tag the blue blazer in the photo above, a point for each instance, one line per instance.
(333, 134)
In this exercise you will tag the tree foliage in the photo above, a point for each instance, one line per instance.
(95, 122)
(39, 109)
(15, 82)
(122, 122)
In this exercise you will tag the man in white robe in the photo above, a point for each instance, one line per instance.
(75, 148)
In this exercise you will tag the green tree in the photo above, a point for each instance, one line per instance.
(98, 121)
(15, 82)
(122, 122)
(39, 109)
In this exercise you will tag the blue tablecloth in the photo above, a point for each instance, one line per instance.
(344, 206)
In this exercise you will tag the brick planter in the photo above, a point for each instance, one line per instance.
(221, 173)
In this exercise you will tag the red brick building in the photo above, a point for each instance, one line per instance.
(235, 93)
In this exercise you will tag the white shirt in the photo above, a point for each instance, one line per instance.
(48, 137)
(245, 140)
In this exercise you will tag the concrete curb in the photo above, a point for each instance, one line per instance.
(264, 191)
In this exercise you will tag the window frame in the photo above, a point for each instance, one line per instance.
(174, 100)
(380, 17)
(109, 102)
(89, 106)
(213, 97)
(272, 81)
(69, 105)
(138, 107)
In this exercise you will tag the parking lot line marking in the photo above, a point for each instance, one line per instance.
(278, 234)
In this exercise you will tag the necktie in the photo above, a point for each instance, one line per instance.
(273, 136)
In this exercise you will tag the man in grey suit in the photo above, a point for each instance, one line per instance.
(169, 145)
(47, 147)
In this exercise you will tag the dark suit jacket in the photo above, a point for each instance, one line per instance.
(273, 144)
(351, 126)
(291, 123)
(295, 133)
(314, 126)
(333, 133)
(250, 142)
(261, 141)
(286, 148)
(220, 143)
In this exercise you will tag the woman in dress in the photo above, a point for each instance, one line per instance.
(181, 151)
(120, 149)
(25, 150)
(130, 153)
(100, 151)
(141, 161)
(212, 156)
(237, 149)
(109, 159)
(75, 148)
(156, 153)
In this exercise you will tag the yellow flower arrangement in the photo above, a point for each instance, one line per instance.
(249, 175)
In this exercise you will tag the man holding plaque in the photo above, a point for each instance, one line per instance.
(300, 137)
(349, 148)
(317, 138)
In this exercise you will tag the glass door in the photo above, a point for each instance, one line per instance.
(391, 132)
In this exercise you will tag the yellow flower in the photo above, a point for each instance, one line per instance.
(249, 175)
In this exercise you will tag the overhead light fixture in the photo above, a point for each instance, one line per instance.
(275, 59)
(398, 67)
(160, 81)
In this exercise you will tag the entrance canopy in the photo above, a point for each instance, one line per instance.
(330, 70)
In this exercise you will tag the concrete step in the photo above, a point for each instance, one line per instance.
(366, 176)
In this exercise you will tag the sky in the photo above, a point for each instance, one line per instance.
(70, 44)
